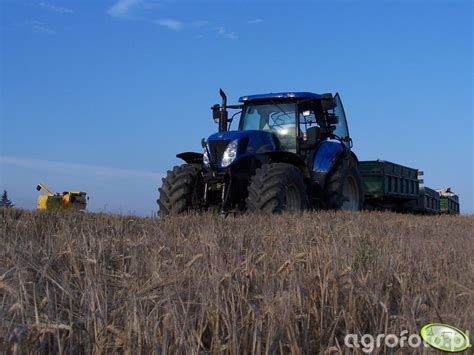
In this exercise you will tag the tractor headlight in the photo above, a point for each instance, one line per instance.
(205, 158)
(230, 153)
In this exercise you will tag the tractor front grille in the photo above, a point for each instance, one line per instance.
(217, 148)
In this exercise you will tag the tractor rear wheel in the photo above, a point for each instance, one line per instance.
(277, 187)
(343, 189)
(181, 190)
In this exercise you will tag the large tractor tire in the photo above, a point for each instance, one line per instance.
(181, 190)
(277, 187)
(343, 189)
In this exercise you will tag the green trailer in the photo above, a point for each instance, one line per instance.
(449, 201)
(428, 201)
(389, 186)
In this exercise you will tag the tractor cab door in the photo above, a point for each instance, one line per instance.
(341, 129)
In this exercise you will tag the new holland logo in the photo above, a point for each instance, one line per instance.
(445, 337)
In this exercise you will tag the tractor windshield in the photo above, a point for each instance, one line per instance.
(278, 118)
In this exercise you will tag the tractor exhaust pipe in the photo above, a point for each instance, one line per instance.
(223, 112)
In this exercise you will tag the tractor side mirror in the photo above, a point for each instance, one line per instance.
(333, 119)
(216, 112)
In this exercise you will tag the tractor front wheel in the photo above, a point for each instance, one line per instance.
(277, 187)
(181, 190)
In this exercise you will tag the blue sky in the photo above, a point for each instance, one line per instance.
(100, 95)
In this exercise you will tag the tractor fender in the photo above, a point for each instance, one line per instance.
(355, 157)
(290, 158)
(253, 161)
(190, 157)
(328, 153)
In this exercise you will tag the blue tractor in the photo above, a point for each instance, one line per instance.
(291, 151)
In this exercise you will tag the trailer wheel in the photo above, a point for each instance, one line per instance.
(181, 190)
(277, 187)
(343, 189)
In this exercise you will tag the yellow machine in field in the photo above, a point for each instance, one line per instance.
(69, 200)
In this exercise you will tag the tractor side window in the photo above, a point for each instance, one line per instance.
(252, 119)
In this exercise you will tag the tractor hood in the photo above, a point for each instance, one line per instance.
(227, 147)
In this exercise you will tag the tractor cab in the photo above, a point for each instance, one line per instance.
(298, 120)
(294, 123)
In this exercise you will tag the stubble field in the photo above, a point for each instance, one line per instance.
(81, 283)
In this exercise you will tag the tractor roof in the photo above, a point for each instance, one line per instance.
(280, 95)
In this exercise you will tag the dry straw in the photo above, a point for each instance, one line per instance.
(81, 283)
